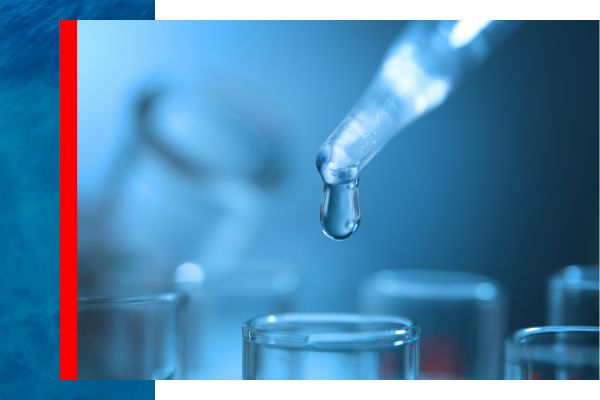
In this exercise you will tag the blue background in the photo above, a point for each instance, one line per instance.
(29, 234)
(501, 180)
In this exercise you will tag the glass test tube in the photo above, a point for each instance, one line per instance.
(573, 296)
(129, 337)
(330, 346)
(462, 316)
(553, 352)
(218, 305)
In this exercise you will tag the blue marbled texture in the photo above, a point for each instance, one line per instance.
(29, 208)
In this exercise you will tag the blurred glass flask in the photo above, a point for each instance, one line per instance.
(462, 316)
(553, 352)
(191, 181)
(330, 346)
(573, 296)
(129, 337)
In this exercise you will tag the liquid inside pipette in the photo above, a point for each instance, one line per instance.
(340, 210)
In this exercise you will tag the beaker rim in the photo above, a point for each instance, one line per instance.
(331, 331)
(150, 298)
(433, 284)
(236, 277)
(575, 344)
(576, 277)
(520, 335)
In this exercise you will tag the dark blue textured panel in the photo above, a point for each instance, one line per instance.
(29, 230)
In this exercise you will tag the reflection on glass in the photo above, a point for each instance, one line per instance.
(573, 296)
(330, 346)
(553, 352)
(128, 337)
(221, 296)
(462, 316)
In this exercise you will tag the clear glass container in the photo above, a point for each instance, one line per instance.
(330, 346)
(573, 296)
(129, 337)
(220, 297)
(462, 315)
(190, 177)
(553, 352)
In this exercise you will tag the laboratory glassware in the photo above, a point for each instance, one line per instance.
(553, 352)
(190, 179)
(134, 337)
(573, 296)
(462, 316)
(330, 346)
(421, 69)
(221, 296)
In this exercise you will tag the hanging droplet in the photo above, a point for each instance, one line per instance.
(340, 210)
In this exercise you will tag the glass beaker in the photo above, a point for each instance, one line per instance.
(129, 337)
(220, 297)
(462, 316)
(553, 352)
(573, 296)
(330, 346)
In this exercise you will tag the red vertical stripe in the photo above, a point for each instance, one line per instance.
(68, 200)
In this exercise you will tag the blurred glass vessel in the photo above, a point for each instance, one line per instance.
(221, 296)
(129, 337)
(462, 316)
(330, 346)
(573, 296)
(553, 352)
(192, 180)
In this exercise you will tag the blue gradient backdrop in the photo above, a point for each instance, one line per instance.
(501, 180)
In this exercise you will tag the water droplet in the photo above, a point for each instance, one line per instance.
(340, 210)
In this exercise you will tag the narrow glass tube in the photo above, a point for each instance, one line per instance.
(128, 337)
(330, 346)
(463, 317)
(421, 69)
(573, 296)
(553, 352)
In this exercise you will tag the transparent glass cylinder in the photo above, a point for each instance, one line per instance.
(330, 346)
(129, 337)
(573, 296)
(553, 352)
(462, 315)
(218, 304)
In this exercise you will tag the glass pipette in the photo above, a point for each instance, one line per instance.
(420, 70)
